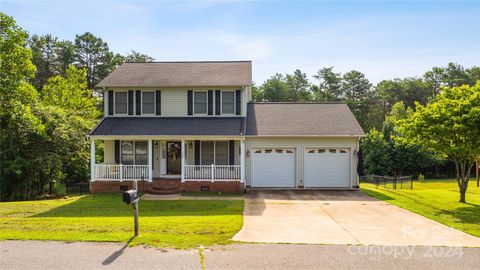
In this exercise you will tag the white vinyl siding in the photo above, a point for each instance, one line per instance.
(174, 102)
(299, 144)
(109, 152)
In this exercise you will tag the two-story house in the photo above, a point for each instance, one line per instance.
(192, 126)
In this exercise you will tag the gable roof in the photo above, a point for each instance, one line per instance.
(180, 74)
(182, 126)
(301, 119)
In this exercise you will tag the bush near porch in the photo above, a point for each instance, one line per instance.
(103, 217)
(436, 200)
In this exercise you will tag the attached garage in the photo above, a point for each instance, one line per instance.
(327, 167)
(274, 167)
(301, 145)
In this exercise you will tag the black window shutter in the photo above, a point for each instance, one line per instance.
(190, 102)
(158, 101)
(238, 102)
(217, 102)
(110, 102)
(197, 152)
(138, 102)
(117, 152)
(210, 102)
(231, 148)
(130, 102)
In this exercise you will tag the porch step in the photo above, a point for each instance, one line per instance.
(165, 186)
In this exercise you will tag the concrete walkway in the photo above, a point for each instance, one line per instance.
(340, 217)
(58, 255)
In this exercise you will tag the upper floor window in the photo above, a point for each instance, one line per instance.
(200, 102)
(148, 102)
(228, 102)
(121, 101)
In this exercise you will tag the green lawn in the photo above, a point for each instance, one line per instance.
(437, 200)
(103, 217)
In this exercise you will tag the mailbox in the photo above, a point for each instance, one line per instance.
(130, 196)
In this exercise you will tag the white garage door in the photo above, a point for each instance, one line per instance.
(327, 167)
(273, 167)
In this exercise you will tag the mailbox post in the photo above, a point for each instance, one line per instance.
(131, 197)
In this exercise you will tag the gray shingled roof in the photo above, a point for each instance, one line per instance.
(301, 119)
(200, 126)
(178, 74)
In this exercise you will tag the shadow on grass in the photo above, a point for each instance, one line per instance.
(378, 195)
(111, 205)
(468, 214)
(117, 253)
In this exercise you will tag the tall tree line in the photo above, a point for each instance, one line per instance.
(52, 56)
(47, 107)
(370, 103)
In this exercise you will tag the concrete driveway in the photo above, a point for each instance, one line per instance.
(340, 217)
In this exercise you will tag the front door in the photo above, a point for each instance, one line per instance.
(174, 161)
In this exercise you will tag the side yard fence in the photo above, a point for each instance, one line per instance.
(389, 181)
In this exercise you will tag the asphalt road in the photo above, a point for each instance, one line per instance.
(59, 255)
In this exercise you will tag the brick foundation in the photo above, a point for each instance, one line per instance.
(116, 186)
(221, 186)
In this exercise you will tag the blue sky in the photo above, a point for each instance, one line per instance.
(383, 39)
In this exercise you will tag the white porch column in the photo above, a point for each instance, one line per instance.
(242, 160)
(150, 160)
(182, 170)
(92, 159)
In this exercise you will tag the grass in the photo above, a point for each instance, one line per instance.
(437, 200)
(103, 217)
(211, 194)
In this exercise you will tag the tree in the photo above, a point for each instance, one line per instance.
(407, 90)
(135, 56)
(18, 104)
(274, 89)
(450, 125)
(64, 56)
(330, 85)
(356, 89)
(298, 86)
(376, 153)
(92, 53)
(257, 93)
(43, 58)
(407, 158)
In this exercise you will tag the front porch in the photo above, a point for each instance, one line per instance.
(200, 160)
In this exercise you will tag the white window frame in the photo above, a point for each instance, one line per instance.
(215, 153)
(234, 102)
(154, 103)
(206, 103)
(134, 151)
(115, 104)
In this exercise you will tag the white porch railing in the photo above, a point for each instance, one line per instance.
(120, 172)
(212, 172)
